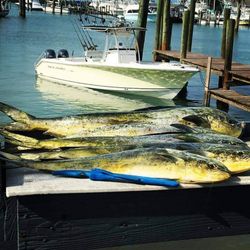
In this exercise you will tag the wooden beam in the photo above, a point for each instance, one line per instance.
(184, 34)
(206, 100)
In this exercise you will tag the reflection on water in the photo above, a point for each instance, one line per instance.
(92, 100)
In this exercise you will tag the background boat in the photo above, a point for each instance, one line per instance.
(4, 8)
(39, 31)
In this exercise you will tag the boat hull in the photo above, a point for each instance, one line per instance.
(144, 81)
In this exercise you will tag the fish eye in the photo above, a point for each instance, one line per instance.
(231, 121)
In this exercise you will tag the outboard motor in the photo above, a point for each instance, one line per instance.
(62, 53)
(49, 53)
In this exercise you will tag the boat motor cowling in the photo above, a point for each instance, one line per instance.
(63, 53)
(49, 53)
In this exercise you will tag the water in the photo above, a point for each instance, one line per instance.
(23, 40)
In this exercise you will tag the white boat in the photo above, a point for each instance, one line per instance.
(132, 10)
(57, 9)
(35, 5)
(116, 68)
(48, 7)
(32, 5)
(4, 8)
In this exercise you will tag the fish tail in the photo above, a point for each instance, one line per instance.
(15, 114)
(9, 156)
(26, 140)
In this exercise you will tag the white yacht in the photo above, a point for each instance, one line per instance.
(35, 5)
(116, 68)
(131, 13)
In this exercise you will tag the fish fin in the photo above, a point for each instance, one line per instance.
(186, 146)
(182, 127)
(187, 138)
(9, 156)
(165, 155)
(154, 108)
(197, 152)
(198, 121)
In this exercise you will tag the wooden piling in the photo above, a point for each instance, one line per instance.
(29, 5)
(206, 100)
(223, 40)
(61, 7)
(53, 6)
(158, 25)
(191, 24)
(166, 26)
(184, 34)
(142, 22)
(238, 17)
(22, 8)
(229, 51)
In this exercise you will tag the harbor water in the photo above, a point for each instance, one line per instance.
(23, 40)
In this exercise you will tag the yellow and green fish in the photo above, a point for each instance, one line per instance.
(138, 122)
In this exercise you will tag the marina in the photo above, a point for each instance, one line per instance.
(41, 210)
(239, 73)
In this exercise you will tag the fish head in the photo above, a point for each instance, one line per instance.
(216, 120)
(195, 121)
(207, 171)
(200, 169)
(236, 160)
(227, 126)
(223, 123)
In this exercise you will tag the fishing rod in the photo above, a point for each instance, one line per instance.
(90, 43)
(84, 44)
(90, 38)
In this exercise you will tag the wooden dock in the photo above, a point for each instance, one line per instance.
(239, 75)
(41, 211)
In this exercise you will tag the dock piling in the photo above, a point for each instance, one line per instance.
(238, 17)
(142, 22)
(228, 51)
(53, 6)
(22, 8)
(158, 26)
(206, 100)
(227, 13)
(184, 34)
(166, 27)
(191, 24)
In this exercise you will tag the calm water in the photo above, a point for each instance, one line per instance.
(23, 40)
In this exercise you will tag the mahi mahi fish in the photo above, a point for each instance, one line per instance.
(138, 122)
(119, 142)
(236, 158)
(152, 162)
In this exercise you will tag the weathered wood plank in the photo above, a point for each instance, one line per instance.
(240, 72)
(88, 221)
(231, 97)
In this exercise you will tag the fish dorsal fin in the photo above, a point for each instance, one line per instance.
(197, 120)
(152, 108)
(165, 155)
(197, 152)
(188, 138)
(182, 127)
